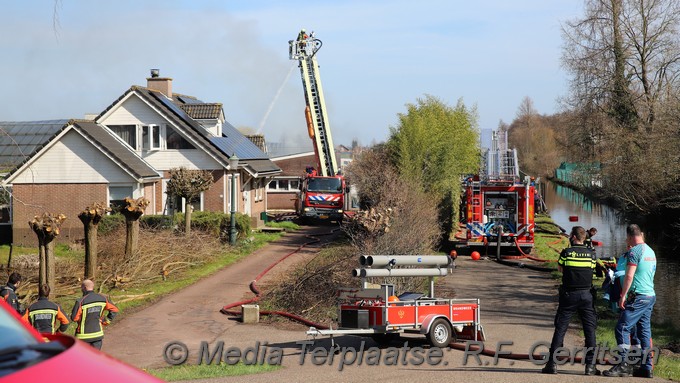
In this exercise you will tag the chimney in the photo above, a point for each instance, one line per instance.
(161, 84)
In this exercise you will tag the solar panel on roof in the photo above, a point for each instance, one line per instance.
(189, 100)
(19, 139)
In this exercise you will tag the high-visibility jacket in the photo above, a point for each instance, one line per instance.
(44, 315)
(88, 313)
(578, 263)
(8, 293)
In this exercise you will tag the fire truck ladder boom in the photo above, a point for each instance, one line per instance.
(304, 50)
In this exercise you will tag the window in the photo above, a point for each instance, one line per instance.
(174, 140)
(259, 185)
(127, 133)
(177, 204)
(284, 185)
(325, 185)
(117, 196)
(151, 137)
(5, 205)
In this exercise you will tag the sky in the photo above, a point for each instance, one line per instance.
(63, 59)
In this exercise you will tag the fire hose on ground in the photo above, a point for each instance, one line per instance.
(227, 310)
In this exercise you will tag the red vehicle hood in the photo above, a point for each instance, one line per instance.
(79, 362)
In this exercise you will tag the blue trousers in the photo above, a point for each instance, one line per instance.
(637, 316)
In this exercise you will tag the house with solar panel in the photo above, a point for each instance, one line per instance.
(63, 166)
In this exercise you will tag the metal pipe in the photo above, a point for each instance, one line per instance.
(399, 272)
(405, 260)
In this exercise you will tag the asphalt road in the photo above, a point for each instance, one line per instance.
(517, 309)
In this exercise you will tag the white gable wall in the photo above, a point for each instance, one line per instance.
(73, 159)
(190, 159)
(134, 111)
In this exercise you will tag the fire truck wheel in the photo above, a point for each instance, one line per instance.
(440, 333)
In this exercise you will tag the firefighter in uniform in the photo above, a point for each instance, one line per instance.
(44, 315)
(576, 264)
(8, 292)
(88, 313)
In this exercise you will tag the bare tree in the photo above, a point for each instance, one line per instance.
(623, 57)
(538, 139)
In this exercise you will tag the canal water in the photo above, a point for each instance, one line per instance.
(563, 202)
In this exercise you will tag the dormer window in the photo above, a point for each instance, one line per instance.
(151, 137)
(173, 140)
(127, 133)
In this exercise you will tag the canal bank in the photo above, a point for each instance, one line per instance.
(563, 203)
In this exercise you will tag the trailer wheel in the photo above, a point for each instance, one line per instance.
(440, 333)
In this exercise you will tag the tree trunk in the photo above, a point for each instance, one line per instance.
(49, 263)
(132, 239)
(187, 217)
(91, 250)
(42, 275)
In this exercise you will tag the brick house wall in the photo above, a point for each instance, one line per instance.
(30, 200)
(291, 167)
(281, 200)
(295, 167)
(213, 198)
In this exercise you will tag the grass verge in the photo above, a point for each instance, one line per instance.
(130, 299)
(548, 244)
(663, 335)
(284, 225)
(205, 371)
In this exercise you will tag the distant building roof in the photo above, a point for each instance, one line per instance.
(278, 149)
(258, 140)
(19, 140)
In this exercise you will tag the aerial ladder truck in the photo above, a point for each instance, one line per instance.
(322, 194)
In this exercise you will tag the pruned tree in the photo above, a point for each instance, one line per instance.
(133, 211)
(90, 217)
(47, 228)
(188, 184)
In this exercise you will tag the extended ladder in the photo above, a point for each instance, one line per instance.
(304, 50)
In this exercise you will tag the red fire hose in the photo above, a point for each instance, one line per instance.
(253, 287)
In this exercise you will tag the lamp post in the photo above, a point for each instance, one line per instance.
(233, 164)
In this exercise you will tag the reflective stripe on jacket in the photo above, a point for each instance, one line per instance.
(43, 315)
(88, 313)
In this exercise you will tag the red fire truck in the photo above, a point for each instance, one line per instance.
(497, 204)
(323, 190)
(495, 208)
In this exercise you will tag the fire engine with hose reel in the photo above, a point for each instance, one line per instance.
(323, 190)
(382, 315)
(498, 207)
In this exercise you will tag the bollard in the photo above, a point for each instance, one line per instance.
(250, 313)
